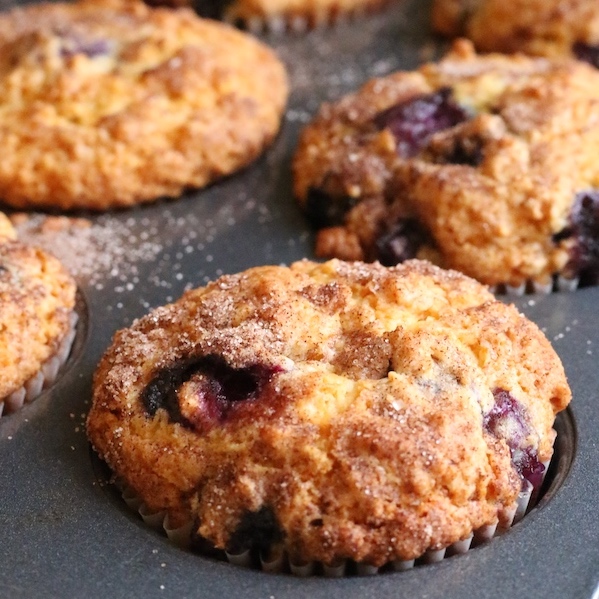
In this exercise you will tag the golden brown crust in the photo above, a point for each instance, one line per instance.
(541, 27)
(365, 440)
(37, 298)
(536, 125)
(108, 103)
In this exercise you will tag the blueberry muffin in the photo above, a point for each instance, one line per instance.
(108, 103)
(541, 27)
(37, 321)
(338, 410)
(279, 15)
(485, 164)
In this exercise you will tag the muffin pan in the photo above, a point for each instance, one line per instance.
(66, 533)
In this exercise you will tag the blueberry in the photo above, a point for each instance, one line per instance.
(400, 242)
(508, 420)
(588, 53)
(258, 529)
(529, 467)
(414, 121)
(73, 44)
(326, 210)
(161, 391)
(218, 386)
(584, 228)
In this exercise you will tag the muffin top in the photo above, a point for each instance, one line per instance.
(542, 27)
(481, 163)
(107, 103)
(344, 410)
(37, 297)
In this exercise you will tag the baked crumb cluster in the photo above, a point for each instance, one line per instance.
(109, 103)
(340, 410)
(37, 299)
(482, 163)
(541, 27)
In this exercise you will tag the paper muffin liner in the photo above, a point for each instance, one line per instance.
(313, 18)
(276, 560)
(559, 283)
(45, 376)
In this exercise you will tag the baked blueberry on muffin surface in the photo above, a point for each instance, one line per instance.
(109, 103)
(484, 164)
(337, 410)
(541, 27)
